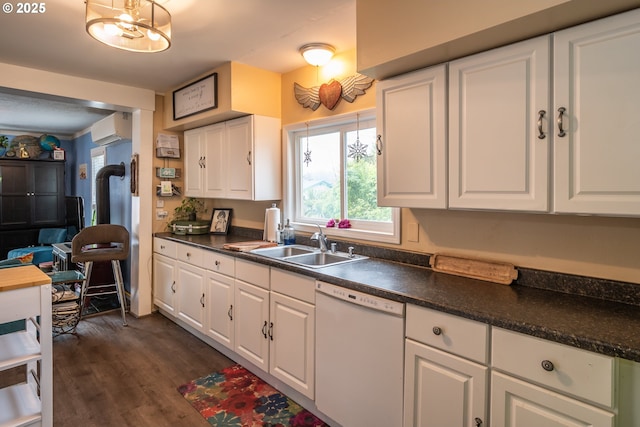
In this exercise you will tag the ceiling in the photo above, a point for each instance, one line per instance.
(205, 34)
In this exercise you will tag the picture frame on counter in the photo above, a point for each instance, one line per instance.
(196, 97)
(220, 221)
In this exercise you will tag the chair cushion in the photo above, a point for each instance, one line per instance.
(10, 262)
(49, 236)
(37, 254)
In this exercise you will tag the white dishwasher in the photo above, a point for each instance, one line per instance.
(359, 357)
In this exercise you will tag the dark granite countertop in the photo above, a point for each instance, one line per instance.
(607, 327)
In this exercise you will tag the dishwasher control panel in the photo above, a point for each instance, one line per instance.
(361, 298)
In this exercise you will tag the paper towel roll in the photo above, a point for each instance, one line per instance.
(271, 221)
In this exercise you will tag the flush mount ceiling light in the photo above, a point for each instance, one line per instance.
(317, 54)
(134, 25)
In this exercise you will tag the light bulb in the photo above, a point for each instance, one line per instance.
(112, 30)
(153, 35)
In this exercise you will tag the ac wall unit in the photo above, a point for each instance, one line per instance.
(113, 128)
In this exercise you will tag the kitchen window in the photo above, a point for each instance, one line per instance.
(332, 176)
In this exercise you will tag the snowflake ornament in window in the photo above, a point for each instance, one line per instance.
(357, 150)
(307, 153)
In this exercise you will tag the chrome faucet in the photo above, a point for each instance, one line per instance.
(322, 240)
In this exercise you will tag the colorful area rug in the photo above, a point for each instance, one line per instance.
(234, 397)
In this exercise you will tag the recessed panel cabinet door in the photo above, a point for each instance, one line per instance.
(597, 94)
(191, 295)
(442, 389)
(515, 403)
(291, 352)
(251, 308)
(240, 158)
(411, 123)
(193, 162)
(498, 128)
(164, 283)
(220, 313)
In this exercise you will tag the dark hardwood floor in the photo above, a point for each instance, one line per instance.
(110, 375)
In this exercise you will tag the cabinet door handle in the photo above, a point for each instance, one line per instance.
(547, 365)
(478, 422)
(217, 263)
(161, 246)
(173, 287)
(561, 131)
(230, 312)
(271, 331)
(204, 162)
(264, 329)
(202, 300)
(200, 162)
(249, 158)
(379, 145)
(541, 134)
(437, 330)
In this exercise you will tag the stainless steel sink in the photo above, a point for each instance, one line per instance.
(283, 251)
(322, 259)
(307, 256)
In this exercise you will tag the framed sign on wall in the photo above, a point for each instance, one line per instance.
(196, 97)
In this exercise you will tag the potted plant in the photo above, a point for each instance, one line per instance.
(188, 209)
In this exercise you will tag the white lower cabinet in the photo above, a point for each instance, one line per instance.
(219, 300)
(252, 323)
(274, 316)
(516, 403)
(164, 275)
(292, 331)
(164, 283)
(445, 388)
(541, 383)
(191, 297)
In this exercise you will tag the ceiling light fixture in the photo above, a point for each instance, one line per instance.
(317, 54)
(134, 25)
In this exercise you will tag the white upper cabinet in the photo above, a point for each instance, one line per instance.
(411, 122)
(498, 128)
(237, 159)
(597, 159)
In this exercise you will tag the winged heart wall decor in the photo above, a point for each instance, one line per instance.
(328, 94)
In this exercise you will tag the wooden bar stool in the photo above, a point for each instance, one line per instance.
(104, 242)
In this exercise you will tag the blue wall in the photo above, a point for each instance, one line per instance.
(119, 188)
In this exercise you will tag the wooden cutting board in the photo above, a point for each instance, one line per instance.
(491, 271)
(248, 246)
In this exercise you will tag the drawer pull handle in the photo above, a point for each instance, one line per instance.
(561, 132)
(437, 330)
(478, 422)
(547, 365)
(217, 264)
(541, 134)
(161, 246)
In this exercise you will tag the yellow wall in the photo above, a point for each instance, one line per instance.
(170, 203)
(582, 245)
(395, 37)
(341, 66)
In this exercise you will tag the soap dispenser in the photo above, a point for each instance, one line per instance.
(289, 234)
